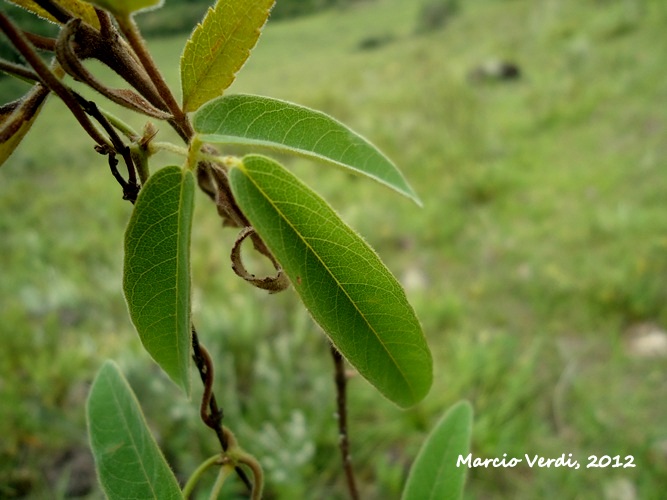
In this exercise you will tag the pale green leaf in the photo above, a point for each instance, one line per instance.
(435, 475)
(290, 128)
(125, 8)
(219, 47)
(156, 276)
(128, 461)
(17, 117)
(77, 8)
(340, 279)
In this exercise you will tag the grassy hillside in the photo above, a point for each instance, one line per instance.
(536, 265)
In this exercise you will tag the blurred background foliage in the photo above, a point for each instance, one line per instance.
(535, 133)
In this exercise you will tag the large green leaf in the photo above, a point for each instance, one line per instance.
(435, 473)
(17, 117)
(128, 461)
(156, 277)
(290, 128)
(218, 48)
(125, 8)
(341, 280)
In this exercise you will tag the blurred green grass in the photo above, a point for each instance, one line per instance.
(541, 245)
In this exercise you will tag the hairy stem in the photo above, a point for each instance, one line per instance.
(258, 475)
(18, 70)
(224, 472)
(121, 126)
(168, 146)
(41, 42)
(341, 409)
(196, 475)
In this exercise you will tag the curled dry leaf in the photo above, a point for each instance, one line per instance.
(71, 63)
(17, 117)
(273, 284)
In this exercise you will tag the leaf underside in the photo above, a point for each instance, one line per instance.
(156, 275)
(77, 8)
(340, 279)
(125, 8)
(279, 125)
(219, 47)
(16, 119)
(434, 474)
(128, 461)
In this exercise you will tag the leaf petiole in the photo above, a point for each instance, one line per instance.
(196, 475)
(224, 472)
(156, 146)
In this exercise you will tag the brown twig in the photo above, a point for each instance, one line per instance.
(45, 74)
(71, 63)
(18, 70)
(131, 187)
(41, 42)
(180, 121)
(211, 414)
(341, 409)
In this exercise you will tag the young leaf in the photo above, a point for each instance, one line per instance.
(17, 117)
(435, 474)
(340, 279)
(218, 48)
(290, 128)
(125, 8)
(156, 276)
(77, 8)
(128, 461)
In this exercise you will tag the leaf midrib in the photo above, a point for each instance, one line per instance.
(398, 368)
(229, 36)
(130, 436)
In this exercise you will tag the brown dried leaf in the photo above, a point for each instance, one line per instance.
(17, 117)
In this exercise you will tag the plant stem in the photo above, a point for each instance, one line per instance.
(196, 475)
(223, 474)
(341, 408)
(119, 146)
(129, 28)
(214, 418)
(51, 81)
(41, 42)
(258, 475)
(19, 71)
(119, 124)
(168, 146)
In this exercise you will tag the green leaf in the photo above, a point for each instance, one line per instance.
(290, 128)
(156, 277)
(435, 474)
(17, 117)
(218, 48)
(340, 279)
(125, 8)
(128, 461)
(77, 8)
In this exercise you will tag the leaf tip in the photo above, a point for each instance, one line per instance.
(414, 197)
